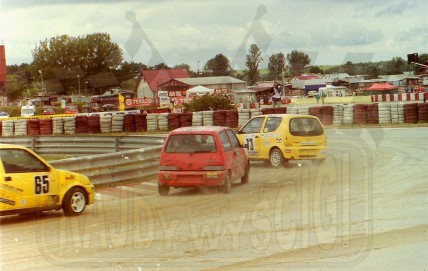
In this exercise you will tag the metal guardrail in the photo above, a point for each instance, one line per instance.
(84, 145)
(114, 167)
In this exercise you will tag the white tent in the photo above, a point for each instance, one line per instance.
(198, 90)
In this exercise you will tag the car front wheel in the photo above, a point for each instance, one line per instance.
(276, 159)
(74, 202)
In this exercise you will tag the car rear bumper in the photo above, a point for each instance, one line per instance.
(305, 153)
(191, 178)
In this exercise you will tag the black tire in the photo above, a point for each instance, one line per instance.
(246, 177)
(227, 186)
(74, 202)
(163, 190)
(276, 159)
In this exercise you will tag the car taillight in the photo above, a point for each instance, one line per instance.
(167, 168)
(213, 167)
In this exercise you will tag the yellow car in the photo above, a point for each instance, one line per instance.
(28, 184)
(278, 138)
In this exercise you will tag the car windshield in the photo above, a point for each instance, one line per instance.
(190, 143)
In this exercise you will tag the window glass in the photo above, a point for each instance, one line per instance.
(272, 123)
(305, 126)
(233, 139)
(225, 141)
(253, 126)
(21, 161)
(191, 143)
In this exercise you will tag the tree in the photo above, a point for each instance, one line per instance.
(349, 68)
(253, 60)
(298, 61)
(276, 66)
(15, 87)
(218, 66)
(160, 66)
(315, 69)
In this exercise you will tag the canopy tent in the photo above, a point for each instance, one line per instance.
(381, 87)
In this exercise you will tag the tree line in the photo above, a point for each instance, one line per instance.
(64, 65)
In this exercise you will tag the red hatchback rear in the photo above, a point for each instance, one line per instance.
(202, 156)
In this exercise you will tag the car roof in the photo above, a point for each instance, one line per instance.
(286, 116)
(11, 146)
(199, 129)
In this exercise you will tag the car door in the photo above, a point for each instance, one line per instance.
(240, 162)
(27, 182)
(232, 158)
(249, 136)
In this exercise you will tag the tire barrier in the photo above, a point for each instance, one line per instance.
(244, 115)
(105, 123)
(384, 110)
(422, 112)
(303, 110)
(348, 114)
(232, 118)
(197, 119)
(45, 127)
(70, 125)
(141, 122)
(33, 127)
(94, 124)
(372, 113)
(219, 118)
(173, 121)
(337, 115)
(398, 97)
(57, 126)
(163, 121)
(280, 110)
(326, 113)
(411, 113)
(7, 128)
(20, 128)
(117, 123)
(186, 119)
(129, 123)
(152, 122)
(268, 110)
(397, 112)
(255, 112)
(207, 117)
(82, 125)
(360, 114)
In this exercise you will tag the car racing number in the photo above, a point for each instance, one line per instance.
(250, 143)
(41, 184)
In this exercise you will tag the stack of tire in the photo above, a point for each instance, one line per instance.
(244, 115)
(197, 119)
(57, 126)
(46, 127)
(397, 112)
(348, 114)
(219, 118)
(255, 112)
(152, 122)
(129, 123)
(69, 125)
(280, 110)
(32, 127)
(315, 111)
(82, 125)
(337, 114)
(411, 113)
(232, 118)
(268, 110)
(20, 127)
(303, 110)
(326, 113)
(94, 124)
(292, 109)
(105, 123)
(208, 118)
(360, 114)
(423, 112)
(163, 121)
(384, 113)
(373, 113)
(117, 123)
(186, 119)
(7, 128)
(173, 121)
(141, 122)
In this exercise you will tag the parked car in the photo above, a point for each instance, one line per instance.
(278, 138)
(71, 109)
(48, 110)
(4, 115)
(202, 156)
(28, 184)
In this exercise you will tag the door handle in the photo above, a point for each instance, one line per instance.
(8, 179)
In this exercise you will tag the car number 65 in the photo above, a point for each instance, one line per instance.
(41, 184)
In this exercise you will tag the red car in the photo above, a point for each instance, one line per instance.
(71, 109)
(202, 156)
(48, 110)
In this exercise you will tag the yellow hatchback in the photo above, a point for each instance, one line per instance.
(278, 138)
(28, 184)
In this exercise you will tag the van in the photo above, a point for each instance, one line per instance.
(202, 156)
(278, 138)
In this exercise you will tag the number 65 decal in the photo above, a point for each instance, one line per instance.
(41, 184)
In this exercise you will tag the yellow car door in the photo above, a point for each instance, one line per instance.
(250, 136)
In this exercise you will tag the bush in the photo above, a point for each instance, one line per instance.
(209, 102)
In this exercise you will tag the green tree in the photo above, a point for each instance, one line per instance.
(218, 66)
(209, 102)
(315, 69)
(349, 68)
(275, 66)
(15, 87)
(254, 57)
(297, 62)
(160, 66)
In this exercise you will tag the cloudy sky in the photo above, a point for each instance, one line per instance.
(194, 31)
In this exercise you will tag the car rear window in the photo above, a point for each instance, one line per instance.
(190, 143)
(305, 127)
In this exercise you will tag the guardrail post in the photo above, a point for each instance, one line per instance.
(117, 142)
(33, 143)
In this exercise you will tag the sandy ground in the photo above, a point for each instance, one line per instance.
(364, 208)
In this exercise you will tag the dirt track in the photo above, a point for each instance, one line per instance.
(364, 208)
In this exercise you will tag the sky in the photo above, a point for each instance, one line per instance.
(331, 32)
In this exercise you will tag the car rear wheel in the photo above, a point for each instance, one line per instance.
(276, 159)
(74, 202)
(227, 186)
(246, 177)
(163, 189)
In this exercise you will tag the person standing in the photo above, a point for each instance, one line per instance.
(276, 90)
